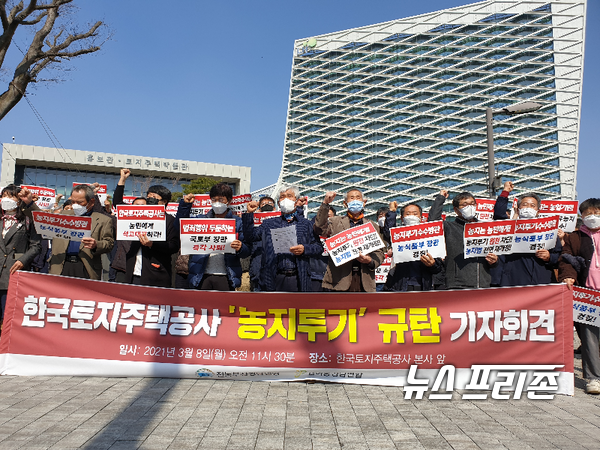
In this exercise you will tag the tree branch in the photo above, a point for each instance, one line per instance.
(36, 20)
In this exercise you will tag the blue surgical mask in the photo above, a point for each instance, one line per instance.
(355, 206)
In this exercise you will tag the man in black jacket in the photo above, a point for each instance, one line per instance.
(149, 263)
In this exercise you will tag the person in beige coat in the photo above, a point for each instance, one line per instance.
(357, 275)
(83, 259)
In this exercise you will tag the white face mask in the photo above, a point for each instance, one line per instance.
(592, 222)
(8, 204)
(287, 206)
(381, 221)
(219, 208)
(411, 220)
(527, 213)
(79, 210)
(468, 212)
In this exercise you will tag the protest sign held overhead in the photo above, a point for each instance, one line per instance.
(204, 236)
(63, 226)
(172, 208)
(136, 220)
(46, 196)
(490, 237)
(349, 244)
(239, 203)
(409, 243)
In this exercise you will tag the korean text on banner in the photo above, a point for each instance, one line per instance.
(46, 196)
(485, 209)
(204, 236)
(63, 226)
(566, 210)
(259, 217)
(349, 244)
(586, 306)
(202, 205)
(239, 203)
(532, 235)
(172, 208)
(128, 199)
(136, 220)
(425, 217)
(489, 237)
(409, 243)
(102, 191)
(107, 329)
(383, 270)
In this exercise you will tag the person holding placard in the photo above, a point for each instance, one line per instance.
(357, 275)
(216, 271)
(83, 259)
(265, 204)
(525, 269)
(580, 264)
(461, 272)
(288, 243)
(412, 275)
(20, 243)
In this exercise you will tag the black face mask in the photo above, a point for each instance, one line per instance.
(267, 208)
(151, 201)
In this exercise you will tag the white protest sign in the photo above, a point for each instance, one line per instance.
(63, 226)
(409, 243)
(240, 202)
(349, 244)
(586, 306)
(46, 196)
(383, 270)
(135, 220)
(489, 237)
(484, 211)
(566, 210)
(172, 208)
(532, 235)
(259, 217)
(202, 205)
(204, 236)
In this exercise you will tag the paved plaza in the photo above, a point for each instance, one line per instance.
(159, 413)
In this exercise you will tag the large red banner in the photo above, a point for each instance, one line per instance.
(109, 329)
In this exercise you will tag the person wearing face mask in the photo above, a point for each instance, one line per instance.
(413, 275)
(19, 244)
(584, 245)
(461, 272)
(83, 259)
(524, 269)
(357, 275)
(283, 272)
(145, 262)
(216, 271)
(265, 204)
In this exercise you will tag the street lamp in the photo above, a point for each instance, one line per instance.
(495, 182)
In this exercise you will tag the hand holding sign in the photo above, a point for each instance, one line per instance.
(89, 242)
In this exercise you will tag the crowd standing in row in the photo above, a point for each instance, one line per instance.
(305, 268)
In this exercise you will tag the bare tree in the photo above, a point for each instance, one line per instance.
(52, 43)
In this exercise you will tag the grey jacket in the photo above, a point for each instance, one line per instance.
(463, 273)
(21, 243)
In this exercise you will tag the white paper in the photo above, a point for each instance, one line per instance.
(284, 238)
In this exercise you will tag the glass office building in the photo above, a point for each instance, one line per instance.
(398, 109)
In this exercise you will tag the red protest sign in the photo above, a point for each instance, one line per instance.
(46, 196)
(259, 217)
(535, 234)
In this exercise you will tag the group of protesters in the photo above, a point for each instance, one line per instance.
(574, 260)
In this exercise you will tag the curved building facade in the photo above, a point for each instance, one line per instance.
(397, 109)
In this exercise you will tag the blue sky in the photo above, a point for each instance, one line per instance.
(209, 81)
